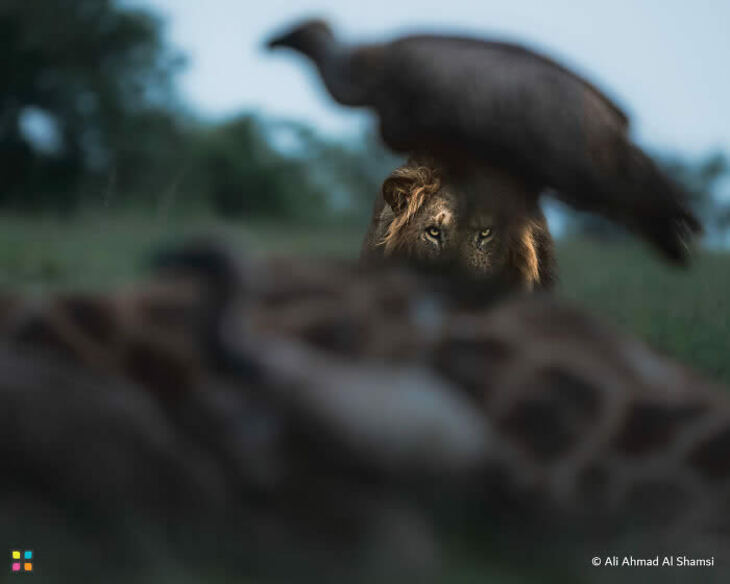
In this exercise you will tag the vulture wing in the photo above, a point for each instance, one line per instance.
(457, 97)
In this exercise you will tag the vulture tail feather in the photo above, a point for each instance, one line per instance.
(661, 212)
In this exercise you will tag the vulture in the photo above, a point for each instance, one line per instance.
(467, 100)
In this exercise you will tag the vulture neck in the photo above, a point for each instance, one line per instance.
(334, 62)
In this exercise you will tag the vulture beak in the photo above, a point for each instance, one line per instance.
(276, 41)
(281, 39)
(303, 37)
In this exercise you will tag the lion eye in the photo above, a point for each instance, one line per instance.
(434, 232)
(485, 233)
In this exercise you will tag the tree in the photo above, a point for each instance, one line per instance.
(244, 175)
(90, 65)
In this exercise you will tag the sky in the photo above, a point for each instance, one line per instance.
(664, 61)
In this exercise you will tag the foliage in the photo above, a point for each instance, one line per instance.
(102, 76)
(253, 167)
(96, 70)
(244, 176)
(351, 173)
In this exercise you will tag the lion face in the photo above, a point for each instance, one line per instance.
(481, 223)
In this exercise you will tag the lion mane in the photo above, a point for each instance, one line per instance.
(530, 256)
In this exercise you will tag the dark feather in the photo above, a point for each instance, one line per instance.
(459, 98)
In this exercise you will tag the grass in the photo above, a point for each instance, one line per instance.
(684, 313)
(97, 251)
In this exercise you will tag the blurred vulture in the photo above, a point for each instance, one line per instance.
(464, 99)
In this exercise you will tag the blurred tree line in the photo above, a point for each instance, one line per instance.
(89, 117)
(93, 85)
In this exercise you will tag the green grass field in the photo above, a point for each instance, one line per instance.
(684, 313)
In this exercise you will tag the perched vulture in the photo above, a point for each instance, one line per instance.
(465, 99)
(290, 419)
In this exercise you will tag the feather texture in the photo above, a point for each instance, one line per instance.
(503, 104)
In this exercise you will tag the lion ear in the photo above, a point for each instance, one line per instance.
(396, 190)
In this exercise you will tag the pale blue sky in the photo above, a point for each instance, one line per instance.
(664, 61)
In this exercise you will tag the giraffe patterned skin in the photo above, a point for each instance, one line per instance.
(291, 380)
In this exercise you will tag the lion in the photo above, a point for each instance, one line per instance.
(480, 222)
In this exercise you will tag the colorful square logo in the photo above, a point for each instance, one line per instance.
(26, 565)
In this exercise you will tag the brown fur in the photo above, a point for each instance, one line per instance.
(461, 202)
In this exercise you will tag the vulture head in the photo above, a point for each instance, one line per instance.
(306, 37)
(315, 40)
